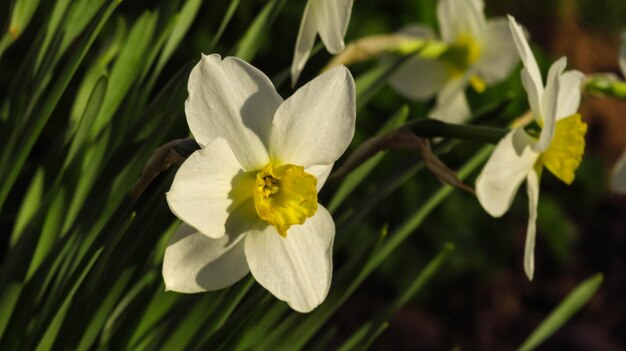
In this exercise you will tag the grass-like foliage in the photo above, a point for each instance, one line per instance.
(90, 89)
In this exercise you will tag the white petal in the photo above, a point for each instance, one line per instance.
(332, 18)
(419, 79)
(304, 43)
(452, 106)
(208, 187)
(464, 17)
(498, 56)
(321, 173)
(532, 78)
(622, 54)
(569, 93)
(618, 178)
(316, 124)
(298, 268)
(549, 104)
(505, 170)
(230, 99)
(194, 262)
(534, 93)
(532, 187)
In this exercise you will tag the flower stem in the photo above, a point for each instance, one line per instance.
(432, 128)
(607, 85)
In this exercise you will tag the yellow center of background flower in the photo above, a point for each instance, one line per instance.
(564, 154)
(285, 196)
(468, 45)
(462, 54)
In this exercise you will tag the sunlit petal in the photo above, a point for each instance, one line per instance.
(304, 43)
(506, 169)
(316, 124)
(321, 173)
(531, 76)
(194, 262)
(208, 187)
(332, 18)
(569, 94)
(230, 99)
(532, 187)
(549, 104)
(296, 268)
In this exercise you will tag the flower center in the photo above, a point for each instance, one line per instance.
(284, 196)
(565, 152)
(470, 49)
(461, 54)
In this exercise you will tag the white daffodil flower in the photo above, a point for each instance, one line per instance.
(518, 156)
(480, 53)
(618, 178)
(248, 197)
(330, 19)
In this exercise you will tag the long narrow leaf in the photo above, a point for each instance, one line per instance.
(251, 42)
(573, 302)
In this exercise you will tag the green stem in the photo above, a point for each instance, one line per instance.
(606, 85)
(424, 48)
(432, 128)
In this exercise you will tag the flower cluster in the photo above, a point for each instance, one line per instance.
(248, 197)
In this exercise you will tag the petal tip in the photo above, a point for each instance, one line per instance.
(493, 211)
(511, 19)
(303, 309)
(529, 274)
(211, 57)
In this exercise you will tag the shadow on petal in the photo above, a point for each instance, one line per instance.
(195, 263)
(242, 213)
(250, 117)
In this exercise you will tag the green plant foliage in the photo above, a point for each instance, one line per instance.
(574, 301)
(89, 90)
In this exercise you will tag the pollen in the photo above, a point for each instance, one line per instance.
(564, 154)
(285, 196)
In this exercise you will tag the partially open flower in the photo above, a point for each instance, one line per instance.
(248, 197)
(519, 155)
(329, 18)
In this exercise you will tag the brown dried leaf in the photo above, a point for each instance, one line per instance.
(439, 169)
(162, 159)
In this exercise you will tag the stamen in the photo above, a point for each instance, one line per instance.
(285, 196)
